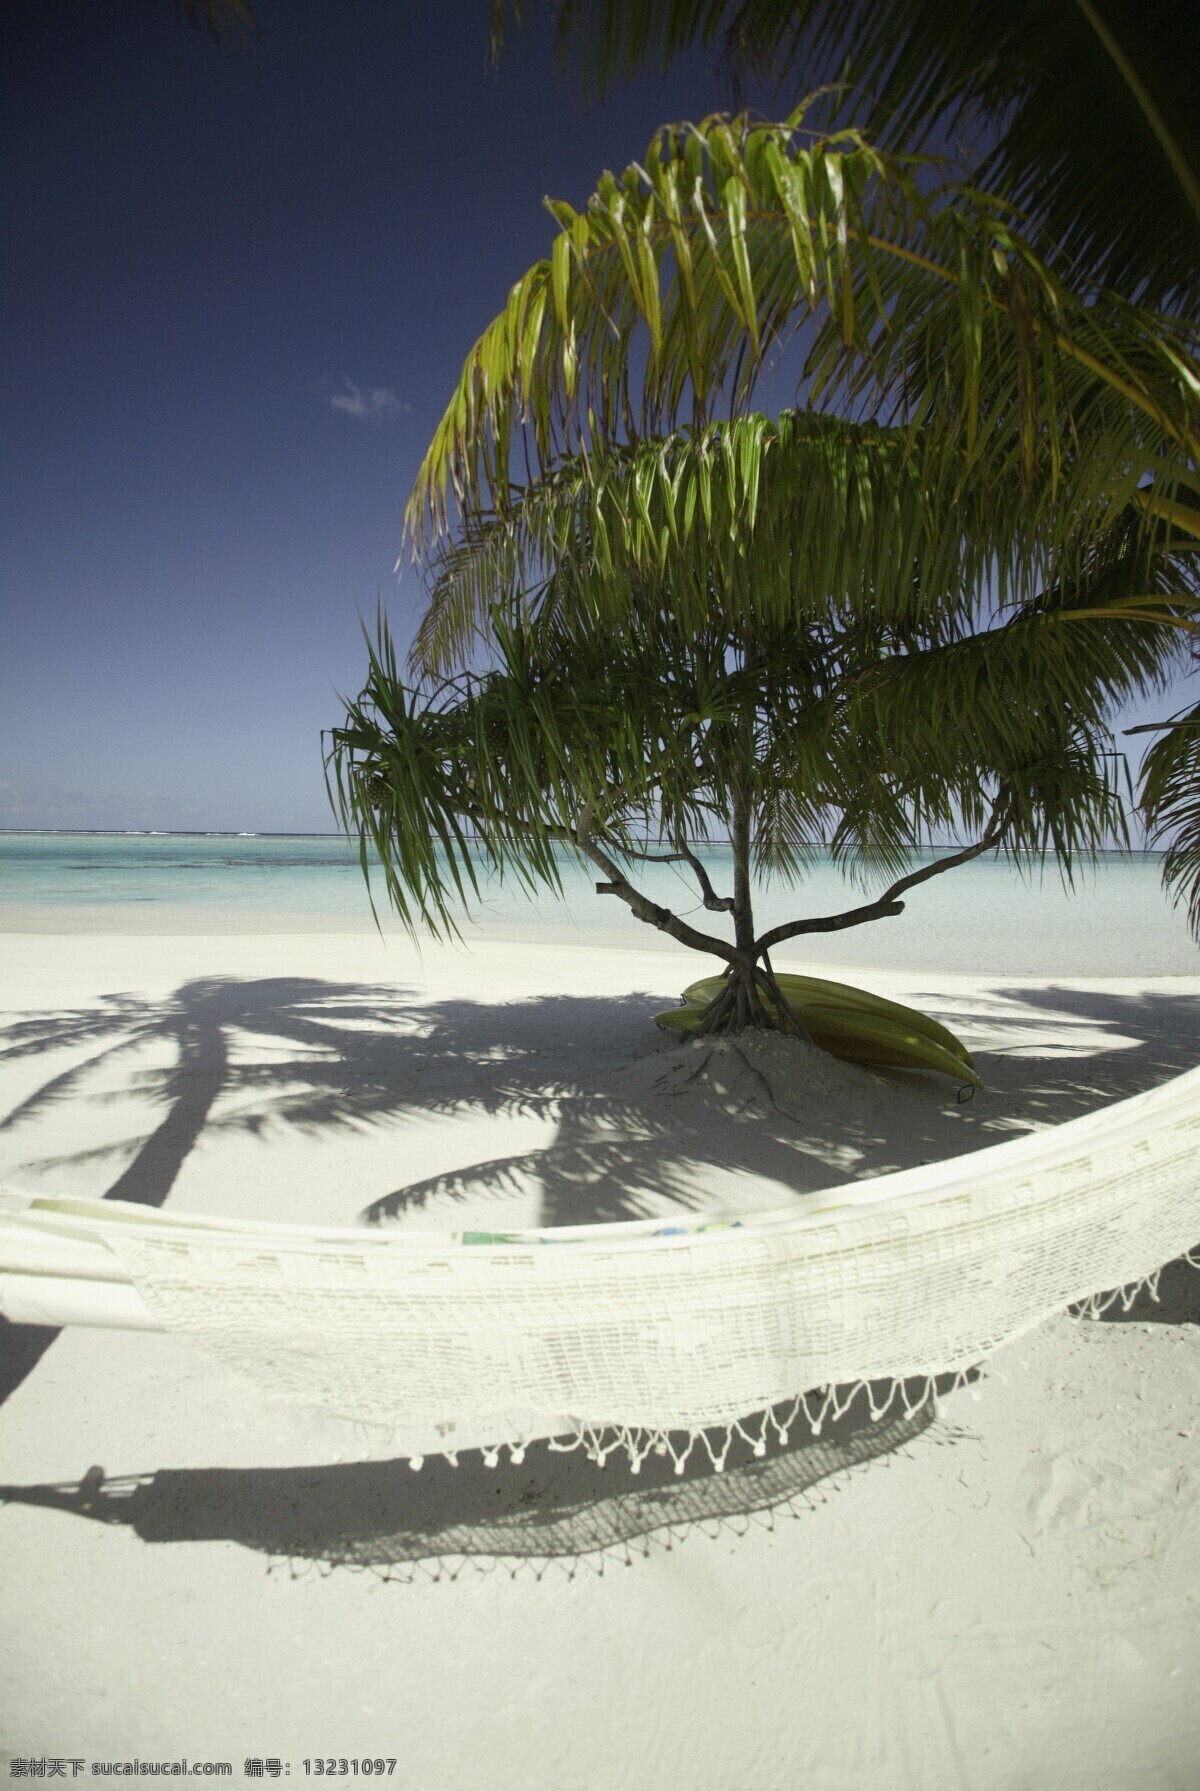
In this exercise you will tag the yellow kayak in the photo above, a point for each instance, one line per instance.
(855, 1036)
(816, 991)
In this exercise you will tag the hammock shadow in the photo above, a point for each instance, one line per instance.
(1174, 1300)
(554, 1508)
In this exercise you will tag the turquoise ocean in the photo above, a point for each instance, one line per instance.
(985, 916)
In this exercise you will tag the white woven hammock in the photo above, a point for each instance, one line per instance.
(642, 1335)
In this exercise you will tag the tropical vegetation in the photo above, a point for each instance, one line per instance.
(791, 634)
(1079, 115)
(908, 603)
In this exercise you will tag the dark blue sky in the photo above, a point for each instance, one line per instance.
(239, 285)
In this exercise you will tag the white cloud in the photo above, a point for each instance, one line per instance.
(370, 404)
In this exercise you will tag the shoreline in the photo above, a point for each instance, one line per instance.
(987, 916)
(1070, 948)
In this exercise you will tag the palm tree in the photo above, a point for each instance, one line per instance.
(775, 632)
(1087, 123)
(889, 291)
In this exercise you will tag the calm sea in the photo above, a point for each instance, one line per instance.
(982, 916)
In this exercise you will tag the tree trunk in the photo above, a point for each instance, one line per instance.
(740, 1006)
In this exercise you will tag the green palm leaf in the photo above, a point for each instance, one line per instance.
(1084, 111)
(1171, 801)
(930, 307)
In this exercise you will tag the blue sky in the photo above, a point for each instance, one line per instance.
(239, 285)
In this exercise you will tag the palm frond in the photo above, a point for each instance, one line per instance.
(798, 518)
(1082, 113)
(1170, 797)
(680, 276)
(221, 18)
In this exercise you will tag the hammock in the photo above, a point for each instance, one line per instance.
(644, 1335)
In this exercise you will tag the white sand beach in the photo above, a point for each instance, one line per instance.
(999, 1595)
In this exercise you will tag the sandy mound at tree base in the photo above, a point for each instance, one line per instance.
(749, 1070)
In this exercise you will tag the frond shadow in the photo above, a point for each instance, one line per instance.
(1075, 1050)
(320, 1056)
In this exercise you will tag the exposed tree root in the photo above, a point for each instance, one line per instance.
(758, 1071)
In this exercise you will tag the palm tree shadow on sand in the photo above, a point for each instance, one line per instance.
(199, 1023)
(555, 1509)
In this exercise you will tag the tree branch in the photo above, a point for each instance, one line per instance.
(718, 904)
(619, 885)
(888, 904)
(832, 923)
